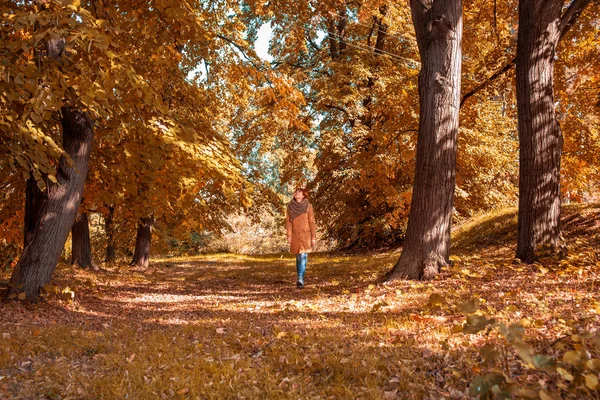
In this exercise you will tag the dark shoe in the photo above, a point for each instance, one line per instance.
(299, 285)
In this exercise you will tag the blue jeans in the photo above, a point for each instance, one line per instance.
(301, 266)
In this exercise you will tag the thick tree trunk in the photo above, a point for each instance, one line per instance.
(111, 253)
(81, 249)
(541, 26)
(540, 137)
(438, 26)
(38, 262)
(141, 256)
(34, 199)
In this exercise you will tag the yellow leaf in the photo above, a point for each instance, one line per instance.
(22, 296)
(545, 396)
(38, 119)
(593, 364)
(572, 357)
(281, 334)
(591, 381)
(564, 373)
(468, 307)
(524, 351)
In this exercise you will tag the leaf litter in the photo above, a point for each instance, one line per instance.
(228, 326)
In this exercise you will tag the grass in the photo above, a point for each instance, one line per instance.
(227, 326)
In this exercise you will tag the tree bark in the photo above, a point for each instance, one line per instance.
(141, 256)
(438, 26)
(38, 262)
(381, 30)
(332, 36)
(81, 249)
(541, 27)
(111, 254)
(34, 199)
(336, 33)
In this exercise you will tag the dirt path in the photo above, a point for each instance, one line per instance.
(237, 327)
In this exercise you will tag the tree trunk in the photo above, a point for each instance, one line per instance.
(111, 254)
(381, 30)
(341, 29)
(541, 27)
(81, 249)
(333, 41)
(34, 199)
(438, 26)
(336, 33)
(38, 262)
(141, 256)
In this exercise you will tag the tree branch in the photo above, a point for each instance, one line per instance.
(312, 43)
(570, 16)
(488, 81)
(568, 19)
(334, 107)
(398, 135)
(241, 48)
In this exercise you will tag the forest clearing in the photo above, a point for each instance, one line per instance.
(320, 199)
(227, 326)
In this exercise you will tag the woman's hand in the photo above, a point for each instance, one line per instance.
(289, 240)
(314, 243)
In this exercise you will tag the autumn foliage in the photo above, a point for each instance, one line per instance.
(153, 132)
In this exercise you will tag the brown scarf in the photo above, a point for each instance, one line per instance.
(296, 209)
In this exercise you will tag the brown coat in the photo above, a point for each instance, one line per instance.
(302, 230)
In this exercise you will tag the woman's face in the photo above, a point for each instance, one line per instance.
(298, 195)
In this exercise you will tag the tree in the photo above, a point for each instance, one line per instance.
(109, 228)
(143, 240)
(38, 261)
(153, 123)
(34, 199)
(541, 26)
(438, 26)
(81, 249)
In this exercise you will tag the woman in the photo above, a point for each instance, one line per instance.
(301, 230)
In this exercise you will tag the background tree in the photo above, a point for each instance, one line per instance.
(81, 249)
(108, 75)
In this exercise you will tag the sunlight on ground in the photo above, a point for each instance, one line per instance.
(226, 326)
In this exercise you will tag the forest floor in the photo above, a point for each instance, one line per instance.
(226, 326)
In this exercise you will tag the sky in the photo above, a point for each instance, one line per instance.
(262, 42)
(261, 47)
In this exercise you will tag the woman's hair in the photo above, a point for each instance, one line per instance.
(303, 190)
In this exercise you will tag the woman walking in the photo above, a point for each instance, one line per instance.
(301, 230)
